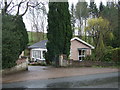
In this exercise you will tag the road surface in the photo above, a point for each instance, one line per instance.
(45, 72)
(101, 80)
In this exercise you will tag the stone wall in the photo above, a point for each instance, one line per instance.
(90, 63)
(22, 64)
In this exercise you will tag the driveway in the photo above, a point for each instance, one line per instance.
(47, 72)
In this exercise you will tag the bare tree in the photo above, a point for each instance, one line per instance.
(36, 9)
(17, 7)
(37, 17)
(81, 15)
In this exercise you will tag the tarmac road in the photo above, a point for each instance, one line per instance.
(47, 72)
(101, 80)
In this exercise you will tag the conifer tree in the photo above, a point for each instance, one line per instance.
(73, 19)
(101, 7)
(93, 9)
(59, 31)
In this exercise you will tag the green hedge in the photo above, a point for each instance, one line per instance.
(110, 55)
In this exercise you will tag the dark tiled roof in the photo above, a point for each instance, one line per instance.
(41, 44)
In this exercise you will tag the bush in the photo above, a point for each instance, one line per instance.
(112, 55)
(14, 39)
(116, 55)
(107, 54)
(89, 58)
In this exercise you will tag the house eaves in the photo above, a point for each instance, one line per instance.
(80, 40)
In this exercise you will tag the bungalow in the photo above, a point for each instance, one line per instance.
(38, 50)
(78, 50)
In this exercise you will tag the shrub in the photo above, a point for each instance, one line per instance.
(112, 55)
(89, 58)
(116, 55)
(14, 39)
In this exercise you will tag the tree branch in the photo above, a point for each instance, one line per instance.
(25, 10)
(13, 7)
(19, 7)
(7, 5)
(33, 6)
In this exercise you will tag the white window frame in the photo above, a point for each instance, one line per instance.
(82, 54)
(41, 52)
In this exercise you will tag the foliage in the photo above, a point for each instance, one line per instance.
(90, 57)
(59, 31)
(81, 10)
(93, 9)
(111, 12)
(98, 28)
(112, 55)
(22, 33)
(14, 39)
(101, 8)
(33, 37)
(73, 19)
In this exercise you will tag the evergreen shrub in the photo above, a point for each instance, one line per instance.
(14, 39)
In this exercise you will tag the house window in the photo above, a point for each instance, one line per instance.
(81, 54)
(39, 54)
(36, 54)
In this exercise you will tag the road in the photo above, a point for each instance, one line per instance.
(101, 80)
(46, 72)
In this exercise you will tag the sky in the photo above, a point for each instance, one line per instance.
(70, 3)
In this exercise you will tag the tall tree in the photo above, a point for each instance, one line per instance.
(93, 9)
(37, 17)
(59, 31)
(81, 14)
(111, 12)
(73, 19)
(98, 28)
(101, 8)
